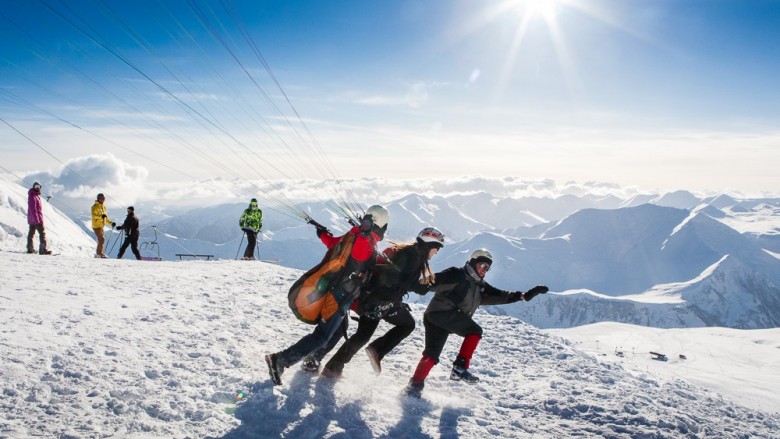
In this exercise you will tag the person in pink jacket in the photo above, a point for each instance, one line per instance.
(35, 220)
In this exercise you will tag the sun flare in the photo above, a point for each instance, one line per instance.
(530, 9)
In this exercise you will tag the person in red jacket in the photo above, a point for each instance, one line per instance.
(35, 220)
(343, 287)
(459, 292)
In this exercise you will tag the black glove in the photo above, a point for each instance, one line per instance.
(321, 230)
(366, 224)
(535, 291)
(119, 228)
(113, 225)
(104, 216)
(421, 289)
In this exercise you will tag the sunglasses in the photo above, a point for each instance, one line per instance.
(483, 266)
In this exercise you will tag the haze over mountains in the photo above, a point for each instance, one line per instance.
(671, 260)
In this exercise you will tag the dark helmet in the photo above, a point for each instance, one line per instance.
(431, 237)
(36, 186)
(131, 208)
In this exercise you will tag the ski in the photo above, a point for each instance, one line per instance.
(32, 253)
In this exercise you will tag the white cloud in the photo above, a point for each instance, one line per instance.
(81, 179)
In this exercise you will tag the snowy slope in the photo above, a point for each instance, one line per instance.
(719, 359)
(62, 234)
(98, 348)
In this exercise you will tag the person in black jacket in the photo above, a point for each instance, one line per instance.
(405, 267)
(130, 226)
(459, 292)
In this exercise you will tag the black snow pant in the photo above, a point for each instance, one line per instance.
(132, 242)
(251, 241)
(438, 327)
(42, 247)
(403, 325)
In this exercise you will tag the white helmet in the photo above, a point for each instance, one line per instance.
(432, 236)
(378, 214)
(481, 255)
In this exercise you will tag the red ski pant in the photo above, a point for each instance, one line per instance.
(438, 327)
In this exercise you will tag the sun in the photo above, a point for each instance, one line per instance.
(531, 9)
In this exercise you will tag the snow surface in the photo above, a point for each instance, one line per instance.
(737, 363)
(102, 348)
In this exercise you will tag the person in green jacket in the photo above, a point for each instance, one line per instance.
(251, 222)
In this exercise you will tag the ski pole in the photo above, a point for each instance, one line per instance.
(114, 244)
(108, 243)
(239, 245)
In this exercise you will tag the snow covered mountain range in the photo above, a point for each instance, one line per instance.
(673, 260)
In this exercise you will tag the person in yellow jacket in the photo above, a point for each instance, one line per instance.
(99, 221)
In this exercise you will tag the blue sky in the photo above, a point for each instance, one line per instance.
(658, 94)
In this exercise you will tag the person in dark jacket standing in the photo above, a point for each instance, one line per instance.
(339, 290)
(251, 222)
(132, 233)
(35, 220)
(459, 292)
(405, 267)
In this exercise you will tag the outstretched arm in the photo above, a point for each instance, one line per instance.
(494, 296)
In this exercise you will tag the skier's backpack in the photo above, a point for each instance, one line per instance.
(307, 297)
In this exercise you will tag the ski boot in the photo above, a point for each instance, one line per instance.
(414, 389)
(374, 359)
(333, 369)
(331, 373)
(311, 364)
(460, 372)
(275, 368)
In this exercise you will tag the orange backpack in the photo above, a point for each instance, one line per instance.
(310, 298)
